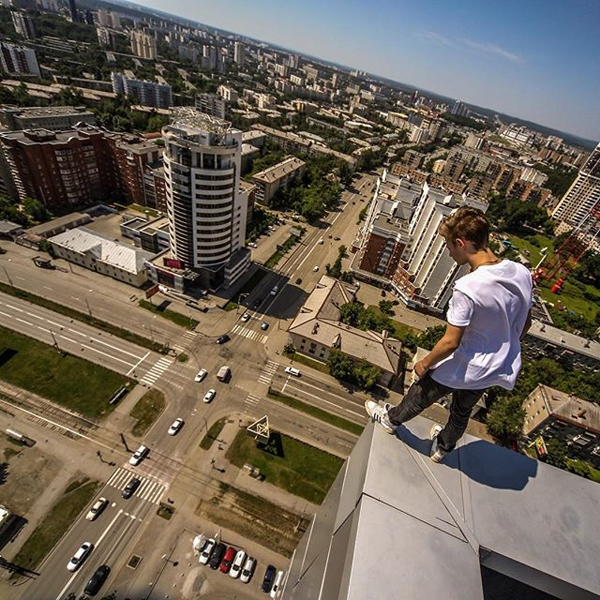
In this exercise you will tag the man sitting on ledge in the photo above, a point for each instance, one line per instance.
(488, 314)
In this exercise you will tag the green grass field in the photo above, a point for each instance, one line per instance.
(296, 467)
(65, 379)
(147, 410)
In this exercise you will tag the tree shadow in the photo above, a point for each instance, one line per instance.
(6, 355)
(274, 446)
(3, 472)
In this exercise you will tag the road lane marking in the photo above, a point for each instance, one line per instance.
(325, 401)
(140, 361)
(13, 307)
(95, 350)
(95, 547)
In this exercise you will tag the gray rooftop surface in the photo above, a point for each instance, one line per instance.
(396, 525)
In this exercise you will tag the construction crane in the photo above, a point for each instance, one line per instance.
(571, 251)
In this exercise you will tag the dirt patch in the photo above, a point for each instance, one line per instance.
(27, 472)
(254, 518)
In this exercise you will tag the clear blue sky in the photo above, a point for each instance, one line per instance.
(534, 59)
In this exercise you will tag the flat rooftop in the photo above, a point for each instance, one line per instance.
(279, 170)
(397, 525)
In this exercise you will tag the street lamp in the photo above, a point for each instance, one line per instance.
(240, 300)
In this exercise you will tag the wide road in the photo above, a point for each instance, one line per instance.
(110, 533)
(87, 292)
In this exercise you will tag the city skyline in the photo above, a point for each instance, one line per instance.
(449, 52)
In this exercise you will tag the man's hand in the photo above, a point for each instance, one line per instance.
(421, 368)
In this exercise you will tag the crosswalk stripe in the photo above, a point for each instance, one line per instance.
(146, 491)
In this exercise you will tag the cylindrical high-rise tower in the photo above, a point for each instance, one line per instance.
(207, 215)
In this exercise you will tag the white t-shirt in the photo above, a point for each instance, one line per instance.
(492, 303)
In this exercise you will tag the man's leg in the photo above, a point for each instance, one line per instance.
(421, 395)
(463, 402)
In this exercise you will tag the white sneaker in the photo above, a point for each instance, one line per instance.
(379, 414)
(435, 452)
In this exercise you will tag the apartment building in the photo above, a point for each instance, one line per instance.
(207, 215)
(566, 418)
(18, 59)
(53, 118)
(545, 341)
(143, 45)
(398, 246)
(147, 93)
(583, 196)
(239, 53)
(131, 154)
(279, 176)
(60, 169)
(24, 24)
(213, 105)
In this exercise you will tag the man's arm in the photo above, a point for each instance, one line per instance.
(443, 349)
(527, 325)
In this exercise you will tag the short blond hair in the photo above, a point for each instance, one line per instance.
(468, 223)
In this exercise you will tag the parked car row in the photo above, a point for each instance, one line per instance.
(238, 564)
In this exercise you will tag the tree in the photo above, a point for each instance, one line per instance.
(350, 313)
(36, 210)
(505, 419)
(557, 454)
(431, 336)
(386, 307)
(340, 365)
(366, 376)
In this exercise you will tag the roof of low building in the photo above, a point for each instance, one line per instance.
(564, 339)
(84, 241)
(319, 320)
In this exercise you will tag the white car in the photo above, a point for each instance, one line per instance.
(80, 556)
(278, 585)
(207, 551)
(201, 375)
(237, 564)
(209, 396)
(139, 455)
(98, 507)
(245, 317)
(316, 268)
(248, 569)
(274, 291)
(292, 371)
(176, 426)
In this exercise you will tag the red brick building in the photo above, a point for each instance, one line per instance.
(60, 169)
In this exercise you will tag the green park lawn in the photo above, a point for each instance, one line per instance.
(288, 463)
(65, 379)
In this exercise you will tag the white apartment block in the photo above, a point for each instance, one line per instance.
(227, 93)
(584, 194)
(143, 45)
(399, 244)
(269, 181)
(147, 93)
(18, 59)
(239, 53)
(207, 215)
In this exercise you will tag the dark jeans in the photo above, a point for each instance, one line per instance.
(423, 393)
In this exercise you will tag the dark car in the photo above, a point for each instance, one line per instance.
(257, 302)
(222, 339)
(97, 580)
(298, 281)
(130, 488)
(268, 579)
(227, 560)
(217, 556)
